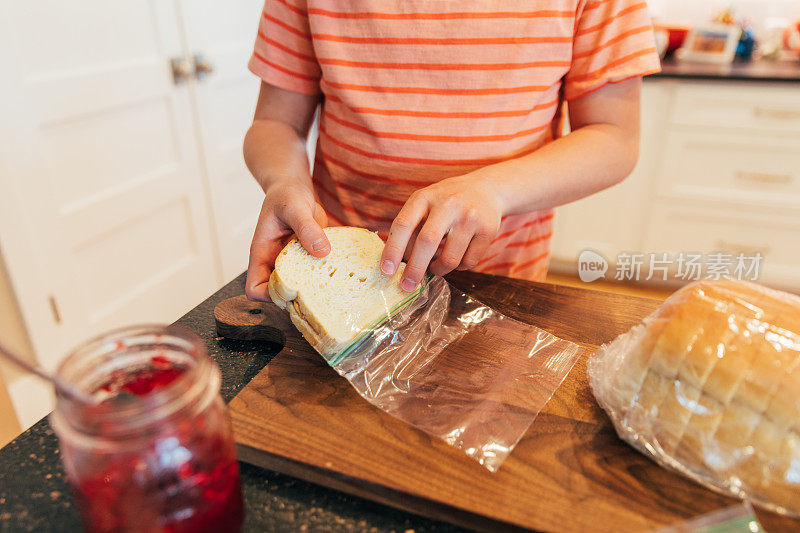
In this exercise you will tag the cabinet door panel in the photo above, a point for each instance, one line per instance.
(749, 169)
(769, 107)
(700, 228)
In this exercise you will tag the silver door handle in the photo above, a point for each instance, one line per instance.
(182, 69)
(763, 177)
(736, 248)
(202, 66)
(781, 114)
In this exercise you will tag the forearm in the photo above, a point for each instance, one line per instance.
(465, 211)
(601, 151)
(275, 151)
(584, 162)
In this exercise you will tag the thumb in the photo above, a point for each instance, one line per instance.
(309, 232)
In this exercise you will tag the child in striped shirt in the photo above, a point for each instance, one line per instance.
(440, 125)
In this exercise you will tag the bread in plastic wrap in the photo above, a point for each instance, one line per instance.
(709, 385)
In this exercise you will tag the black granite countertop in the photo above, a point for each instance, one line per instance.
(34, 495)
(762, 70)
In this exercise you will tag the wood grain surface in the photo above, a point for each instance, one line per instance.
(569, 473)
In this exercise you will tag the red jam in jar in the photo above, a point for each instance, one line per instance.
(156, 451)
(159, 372)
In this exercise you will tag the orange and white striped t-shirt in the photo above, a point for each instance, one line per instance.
(416, 91)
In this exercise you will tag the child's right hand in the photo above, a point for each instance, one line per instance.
(289, 208)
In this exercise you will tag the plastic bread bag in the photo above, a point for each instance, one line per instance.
(709, 386)
(457, 369)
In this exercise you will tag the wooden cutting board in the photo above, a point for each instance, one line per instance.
(569, 473)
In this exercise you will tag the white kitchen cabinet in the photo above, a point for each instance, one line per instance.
(752, 170)
(769, 108)
(692, 226)
(125, 197)
(719, 171)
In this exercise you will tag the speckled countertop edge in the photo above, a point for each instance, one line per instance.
(34, 495)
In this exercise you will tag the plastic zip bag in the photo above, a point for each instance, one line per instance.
(457, 369)
(736, 519)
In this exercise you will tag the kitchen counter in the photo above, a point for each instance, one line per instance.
(34, 495)
(769, 71)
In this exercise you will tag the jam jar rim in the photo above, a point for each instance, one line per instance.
(196, 387)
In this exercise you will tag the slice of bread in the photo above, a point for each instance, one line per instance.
(333, 299)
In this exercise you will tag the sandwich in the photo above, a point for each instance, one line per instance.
(335, 299)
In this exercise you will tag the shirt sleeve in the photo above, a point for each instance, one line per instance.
(613, 42)
(283, 55)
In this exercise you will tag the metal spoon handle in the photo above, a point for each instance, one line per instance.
(67, 389)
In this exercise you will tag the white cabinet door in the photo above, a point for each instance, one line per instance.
(613, 220)
(223, 33)
(103, 216)
(222, 36)
(703, 227)
(751, 170)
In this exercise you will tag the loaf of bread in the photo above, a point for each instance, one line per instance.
(709, 385)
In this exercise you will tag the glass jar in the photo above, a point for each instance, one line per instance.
(156, 450)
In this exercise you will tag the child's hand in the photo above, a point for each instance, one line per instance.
(462, 210)
(288, 208)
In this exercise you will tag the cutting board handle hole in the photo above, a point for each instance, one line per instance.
(254, 311)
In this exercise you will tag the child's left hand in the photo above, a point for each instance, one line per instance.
(463, 211)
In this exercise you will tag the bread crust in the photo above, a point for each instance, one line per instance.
(312, 330)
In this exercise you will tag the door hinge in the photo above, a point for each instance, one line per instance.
(54, 309)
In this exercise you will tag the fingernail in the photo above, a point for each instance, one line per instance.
(387, 267)
(408, 285)
(319, 245)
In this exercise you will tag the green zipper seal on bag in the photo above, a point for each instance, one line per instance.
(744, 524)
(369, 329)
